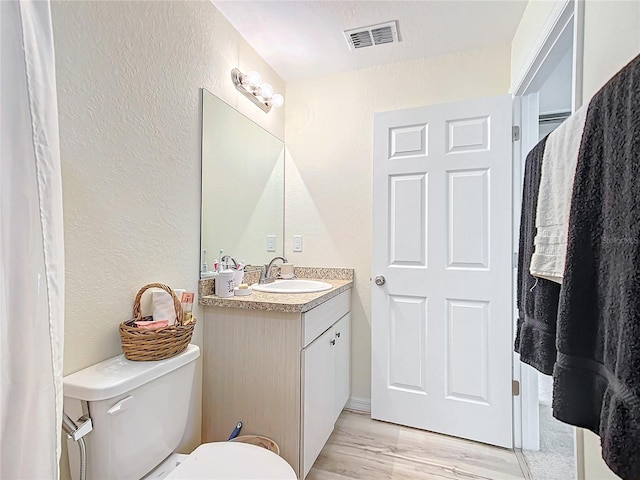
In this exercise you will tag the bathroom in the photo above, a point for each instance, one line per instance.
(129, 78)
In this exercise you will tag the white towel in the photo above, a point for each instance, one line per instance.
(554, 197)
(163, 308)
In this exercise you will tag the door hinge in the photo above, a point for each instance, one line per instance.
(514, 260)
(515, 133)
(515, 388)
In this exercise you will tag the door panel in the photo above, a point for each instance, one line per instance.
(467, 218)
(408, 233)
(408, 141)
(466, 368)
(407, 343)
(441, 323)
(468, 135)
(318, 403)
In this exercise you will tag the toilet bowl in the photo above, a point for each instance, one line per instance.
(139, 413)
(229, 460)
(223, 461)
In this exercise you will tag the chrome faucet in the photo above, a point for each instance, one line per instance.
(265, 273)
(227, 258)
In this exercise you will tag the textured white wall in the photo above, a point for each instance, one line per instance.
(533, 19)
(129, 76)
(611, 40)
(591, 458)
(329, 132)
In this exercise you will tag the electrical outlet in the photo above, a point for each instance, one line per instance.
(271, 243)
(297, 243)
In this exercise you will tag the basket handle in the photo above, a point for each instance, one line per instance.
(137, 311)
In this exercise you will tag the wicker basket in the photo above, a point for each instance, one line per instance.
(142, 344)
(258, 440)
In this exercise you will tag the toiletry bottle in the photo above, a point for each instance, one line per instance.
(204, 268)
(239, 275)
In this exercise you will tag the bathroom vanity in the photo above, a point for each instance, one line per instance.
(280, 363)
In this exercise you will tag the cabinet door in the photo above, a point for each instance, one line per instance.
(318, 401)
(343, 364)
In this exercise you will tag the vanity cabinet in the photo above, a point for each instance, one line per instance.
(285, 375)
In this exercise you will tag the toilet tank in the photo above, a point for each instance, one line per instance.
(139, 412)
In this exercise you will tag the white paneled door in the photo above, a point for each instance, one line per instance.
(442, 299)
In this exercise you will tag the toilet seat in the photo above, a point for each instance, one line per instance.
(232, 461)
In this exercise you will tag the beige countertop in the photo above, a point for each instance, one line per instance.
(341, 280)
(281, 302)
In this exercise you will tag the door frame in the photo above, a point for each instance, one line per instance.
(564, 25)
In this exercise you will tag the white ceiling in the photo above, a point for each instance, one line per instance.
(303, 38)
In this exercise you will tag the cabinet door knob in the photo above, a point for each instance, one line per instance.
(333, 341)
(338, 334)
(380, 280)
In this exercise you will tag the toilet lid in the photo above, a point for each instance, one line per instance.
(232, 461)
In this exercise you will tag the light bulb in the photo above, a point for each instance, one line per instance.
(266, 90)
(253, 78)
(277, 100)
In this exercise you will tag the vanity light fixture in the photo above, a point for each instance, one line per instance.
(260, 94)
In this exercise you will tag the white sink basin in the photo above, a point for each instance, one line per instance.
(297, 285)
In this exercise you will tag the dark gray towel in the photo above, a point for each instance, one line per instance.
(597, 373)
(537, 298)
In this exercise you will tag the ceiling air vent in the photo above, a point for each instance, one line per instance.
(372, 35)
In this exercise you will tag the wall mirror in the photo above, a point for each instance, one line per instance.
(242, 186)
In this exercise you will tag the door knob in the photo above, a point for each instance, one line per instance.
(380, 280)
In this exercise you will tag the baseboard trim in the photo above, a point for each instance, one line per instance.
(359, 404)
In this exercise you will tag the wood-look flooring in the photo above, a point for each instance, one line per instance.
(362, 448)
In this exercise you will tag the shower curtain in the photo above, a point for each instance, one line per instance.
(31, 246)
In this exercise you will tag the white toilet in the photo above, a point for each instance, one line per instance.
(139, 415)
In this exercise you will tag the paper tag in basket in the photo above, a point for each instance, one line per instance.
(187, 305)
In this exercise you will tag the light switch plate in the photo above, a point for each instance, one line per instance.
(271, 243)
(297, 243)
